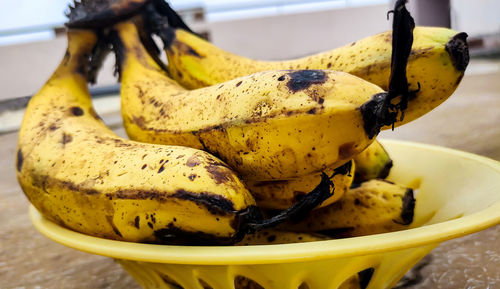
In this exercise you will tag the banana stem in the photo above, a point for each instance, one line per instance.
(380, 110)
(402, 40)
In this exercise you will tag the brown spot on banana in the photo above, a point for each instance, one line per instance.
(113, 226)
(219, 174)
(66, 138)
(346, 150)
(193, 161)
(76, 111)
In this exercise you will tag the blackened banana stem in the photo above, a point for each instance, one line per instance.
(402, 40)
(380, 110)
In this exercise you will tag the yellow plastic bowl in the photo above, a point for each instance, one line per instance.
(458, 194)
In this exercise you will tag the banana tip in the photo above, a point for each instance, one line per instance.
(458, 49)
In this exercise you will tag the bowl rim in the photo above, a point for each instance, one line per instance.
(279, 253)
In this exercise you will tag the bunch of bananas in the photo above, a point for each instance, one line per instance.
(222, 146)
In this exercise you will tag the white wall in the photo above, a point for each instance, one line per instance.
(478, 17)
(294, 35)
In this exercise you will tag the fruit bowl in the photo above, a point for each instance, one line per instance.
(457, 193)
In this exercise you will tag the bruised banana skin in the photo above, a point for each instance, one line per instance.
(377, 206)
(270, 125)
(372, 163)
(281, 194)
(78, 173)
(437, 62)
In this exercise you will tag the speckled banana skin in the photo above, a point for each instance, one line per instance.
(438, 60)
(78, 173)
(281, 194)
(374, 162)
(273, 236)
(377, 206)
(269, 125)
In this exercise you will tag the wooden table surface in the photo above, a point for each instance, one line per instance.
(469, 120)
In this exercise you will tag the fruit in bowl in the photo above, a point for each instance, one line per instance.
(458, 193)
(217, 164)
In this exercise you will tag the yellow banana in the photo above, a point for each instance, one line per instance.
(273, 236)
(281, 194)
(437, 62)
(373, 162)
(377, 206)
(269, 125)
(78, 173)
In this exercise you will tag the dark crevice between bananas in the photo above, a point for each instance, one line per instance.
(307, 203)
(97, 56)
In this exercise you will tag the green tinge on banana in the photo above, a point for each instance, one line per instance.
(376, 206)
(372, 163)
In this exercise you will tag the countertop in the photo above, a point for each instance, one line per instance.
(469, 121)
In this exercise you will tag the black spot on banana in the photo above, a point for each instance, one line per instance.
(78, 173)
(263, 125)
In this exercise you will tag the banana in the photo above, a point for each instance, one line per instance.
(374, 162)
(377, 206)
(274, 236)
(269, 125)
(439, 57)
(281, 194)
(78, 173)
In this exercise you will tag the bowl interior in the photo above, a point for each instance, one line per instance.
(457, 193)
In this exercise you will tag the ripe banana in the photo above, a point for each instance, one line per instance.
(377, 206)
(436, 65)
(281, 194)
(78, 173)
(269, 125)
(374, 162)
(273, 236)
